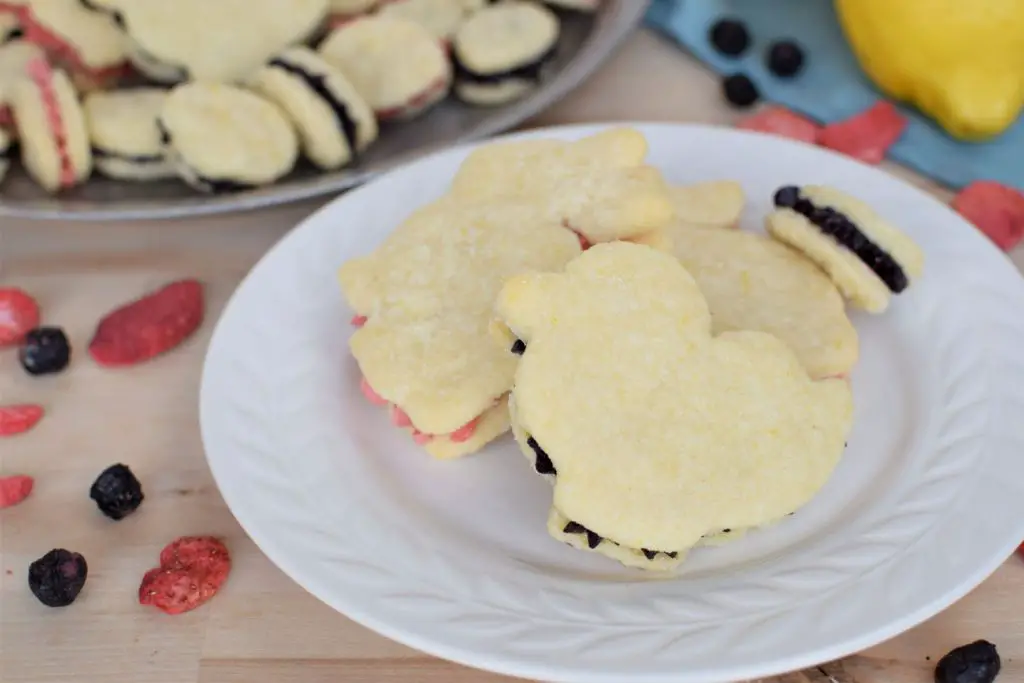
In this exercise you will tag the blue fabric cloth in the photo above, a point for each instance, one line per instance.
(831, 86)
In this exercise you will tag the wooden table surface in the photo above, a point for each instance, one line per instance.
(263, 628)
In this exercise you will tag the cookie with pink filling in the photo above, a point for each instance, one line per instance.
(425, 343)
(15, 56)
(51, 126)
(397, 66)
(88, 45)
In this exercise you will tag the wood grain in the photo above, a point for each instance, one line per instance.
(263, 628)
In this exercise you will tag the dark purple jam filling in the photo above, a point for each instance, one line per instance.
(318, 84)
(841, 229)
(531, 71)
(594, 540)
(543, 464)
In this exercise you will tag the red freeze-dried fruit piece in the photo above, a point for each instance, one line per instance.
(15, 419)
(14, 489)
(19, 313)
(782, 122)
(996, 210)
(149, 326)
(868, 135)
(192, 570)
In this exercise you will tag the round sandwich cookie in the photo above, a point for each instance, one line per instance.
(334, 122)
(655, 441)
(202, 40)
(868, 258)
(439, 17)
(15, 57)
(501, 52)
(88, 45)
(752, 282)
(124, 135)
(51, 128)
(221, 138)
(398, 67)
(342, 11)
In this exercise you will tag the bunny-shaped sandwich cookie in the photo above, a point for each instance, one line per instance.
(867, 258)
(424, 300)
(655, 432)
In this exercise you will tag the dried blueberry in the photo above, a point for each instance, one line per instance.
(785, 58)
(739, 90)
(787, 197)
(543, 464)
(729, 37)
(977, 662)
(519, 347)
(57, 577)
(45, 351)
(117, 492)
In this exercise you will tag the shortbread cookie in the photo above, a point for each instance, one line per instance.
(222, 41)
(656, 432)
(88, 45)
(396, 65)
(221, 138)
(868, 258)
(752, 282)
(596, 186)
(334, 122)
(15, 57)
(715, 204)
(441, 18)
(501, 53)
(124, 134)
(424, 301)
(51, 128)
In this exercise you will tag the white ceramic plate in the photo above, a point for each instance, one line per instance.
(453, 557)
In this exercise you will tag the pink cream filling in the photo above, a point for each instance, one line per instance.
(61, 52)
(401, 419)
(416, 102)
(41, 74)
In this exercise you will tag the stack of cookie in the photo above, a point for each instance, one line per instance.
(677, 380)
(312, 78)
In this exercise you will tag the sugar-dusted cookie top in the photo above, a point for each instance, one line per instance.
(659, 432)
(713, 204)
(752, 282)
(597, 186)
(428, 293)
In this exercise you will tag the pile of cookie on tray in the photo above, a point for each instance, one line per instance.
(229, 95)
(679, 381)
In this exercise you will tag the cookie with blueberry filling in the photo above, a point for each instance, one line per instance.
(752, 282)
(657, 433)
(502, 52)
(335, 124)
(51, 127)
(203, 40)
(597, 186)
(221, 138)
(123, 131)
(397, 66)
(424, 307)
(868, 258)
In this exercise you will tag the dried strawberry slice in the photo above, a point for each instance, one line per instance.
(780, 121)
(868, 135)
(996, 210)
